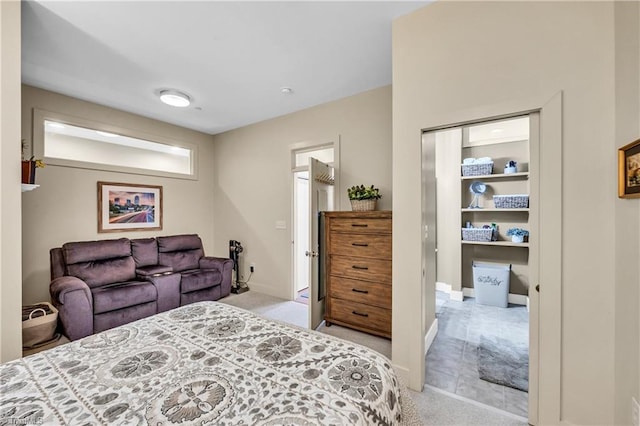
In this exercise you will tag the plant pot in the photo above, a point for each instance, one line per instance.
(517, 238)
(510, 170)
(29, 172)
(363, 205)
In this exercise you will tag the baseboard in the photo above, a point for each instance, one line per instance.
(443, 287)
(430, 336)
(516, 299)
(453, 294)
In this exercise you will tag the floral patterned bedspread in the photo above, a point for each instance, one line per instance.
(203, 363)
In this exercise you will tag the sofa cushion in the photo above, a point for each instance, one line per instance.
(199, 279)
(179, 242)
(121, 295)
(88, 251)
(107, 271)
(144, 251)
(181, 260)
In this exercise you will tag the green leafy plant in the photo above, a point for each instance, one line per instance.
(363, 193)
(518, 232)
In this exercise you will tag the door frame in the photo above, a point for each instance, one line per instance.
(546, 307)
(308, 146)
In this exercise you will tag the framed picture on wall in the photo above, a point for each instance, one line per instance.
(629, 170)
(129, 207)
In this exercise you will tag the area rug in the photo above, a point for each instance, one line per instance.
(503, 362)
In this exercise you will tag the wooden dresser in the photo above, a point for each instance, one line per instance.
(357, 260)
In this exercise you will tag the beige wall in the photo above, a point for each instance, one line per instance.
(10, 254)
(253, 176)
(64, 208)
(627, 279)
(456, 56)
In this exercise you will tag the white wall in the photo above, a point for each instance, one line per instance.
(10, 205)
(253, 178)
(455, 56)
(64, 208)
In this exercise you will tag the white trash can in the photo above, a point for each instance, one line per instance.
(491, 283)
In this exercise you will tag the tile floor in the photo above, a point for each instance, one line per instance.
(452, 358)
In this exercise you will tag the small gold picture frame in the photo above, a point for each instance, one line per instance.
(629, 170)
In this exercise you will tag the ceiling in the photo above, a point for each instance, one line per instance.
(231, 58)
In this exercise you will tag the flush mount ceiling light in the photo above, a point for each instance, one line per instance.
(107, 134)
(175, 98)
(286, 90)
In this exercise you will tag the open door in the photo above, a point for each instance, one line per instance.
(321, 198)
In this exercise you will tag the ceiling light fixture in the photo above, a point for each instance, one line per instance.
(286, 90)
(175, 98)
(107, 134)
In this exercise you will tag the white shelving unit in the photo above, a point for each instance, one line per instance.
(498, 183)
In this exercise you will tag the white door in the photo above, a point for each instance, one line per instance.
(321, 198)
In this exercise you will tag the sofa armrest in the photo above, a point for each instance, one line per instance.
(72, 297)
(219, 263)
(225, 266)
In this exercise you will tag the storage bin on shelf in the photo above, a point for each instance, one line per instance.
(514, 201)
(477, 169)
(477, 234)
(491, 283)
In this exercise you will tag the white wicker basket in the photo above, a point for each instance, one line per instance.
(477, 169)
(515, 201)
(363, 205)
(477, 234)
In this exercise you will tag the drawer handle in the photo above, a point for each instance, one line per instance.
(359, 313)
(360, 225)
(360, 267)
(360, 244)
(360, 291)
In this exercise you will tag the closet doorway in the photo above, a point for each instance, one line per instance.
(485, 189)
(314, 175)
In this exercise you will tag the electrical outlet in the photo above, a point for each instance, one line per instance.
(252, 267)
(635, 412)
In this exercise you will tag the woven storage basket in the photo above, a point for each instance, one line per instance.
(39, 324)
(363, 205)
(477, 169)
(517, 201)
(477, 234)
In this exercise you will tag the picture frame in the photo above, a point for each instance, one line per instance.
(126, 207)
(629, 170)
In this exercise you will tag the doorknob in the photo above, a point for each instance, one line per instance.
(538, 288)
(311, 253)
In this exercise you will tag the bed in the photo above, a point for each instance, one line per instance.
(202, 363)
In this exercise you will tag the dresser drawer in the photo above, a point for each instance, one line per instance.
(361, 268)
(364, 225)
(361, 315)
(361, 245)
(366, 292)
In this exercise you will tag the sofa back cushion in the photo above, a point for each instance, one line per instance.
(100, 262)
(144, 251)
(181, 252)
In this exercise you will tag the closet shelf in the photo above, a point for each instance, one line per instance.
(497, 176)
(496, 243)
(493, 210)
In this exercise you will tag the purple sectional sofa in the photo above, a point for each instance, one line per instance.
(97, 285)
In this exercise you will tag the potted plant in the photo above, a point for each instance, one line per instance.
(363, 198)
(29, 166)
(517, 234)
